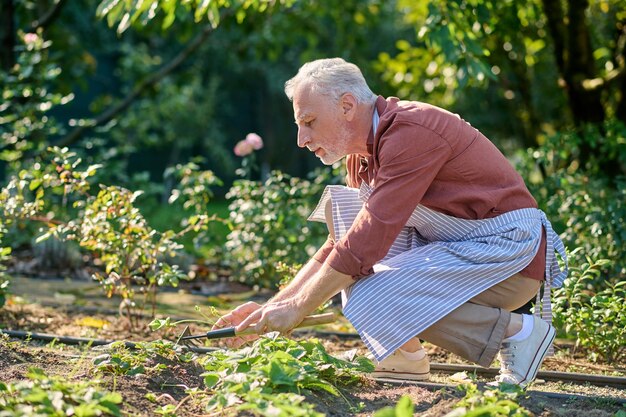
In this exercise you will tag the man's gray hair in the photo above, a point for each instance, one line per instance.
(332, 77)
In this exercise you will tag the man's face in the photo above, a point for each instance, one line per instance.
(321, 127)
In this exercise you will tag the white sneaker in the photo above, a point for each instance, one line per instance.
(396, 366)
(520, 360)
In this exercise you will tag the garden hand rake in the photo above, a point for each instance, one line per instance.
(188, 339)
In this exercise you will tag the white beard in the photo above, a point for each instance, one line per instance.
(340, 149)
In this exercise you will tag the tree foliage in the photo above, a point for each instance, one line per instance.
(517, 45)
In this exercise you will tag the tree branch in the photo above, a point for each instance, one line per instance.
(599, 83)
(152, 80)
(49, 16)
(45, 220)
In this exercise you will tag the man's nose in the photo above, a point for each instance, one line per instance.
(303, 138)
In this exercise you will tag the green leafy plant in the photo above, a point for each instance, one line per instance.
(269, 225)
(288, 273)
(122, 360)
(192, 194)
(195, 186)
(53, 396)
(269, 377)
(494, 402)
(588, 205)
(595, 314)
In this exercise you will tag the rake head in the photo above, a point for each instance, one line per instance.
(185, 341)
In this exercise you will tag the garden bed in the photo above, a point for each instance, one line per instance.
(170, 385)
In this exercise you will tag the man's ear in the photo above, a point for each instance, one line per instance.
(348, 106)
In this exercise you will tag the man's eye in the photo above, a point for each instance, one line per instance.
(308, 124)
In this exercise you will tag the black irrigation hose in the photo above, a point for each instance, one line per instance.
(433, 386)
(600, 380)
(46, 337)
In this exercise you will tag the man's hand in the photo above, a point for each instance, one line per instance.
(312, 288)
(234, 318)
(275, 316)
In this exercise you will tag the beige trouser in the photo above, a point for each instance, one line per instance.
(475, 330)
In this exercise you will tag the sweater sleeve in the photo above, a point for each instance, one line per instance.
(409, 158)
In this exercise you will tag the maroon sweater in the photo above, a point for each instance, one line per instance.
(422, 154)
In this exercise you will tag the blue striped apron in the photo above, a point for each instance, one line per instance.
(437, 263)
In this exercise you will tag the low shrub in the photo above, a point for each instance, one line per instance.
(594, 313)
(269, 225)
(578, 179)
(60, 195)
(585, 202)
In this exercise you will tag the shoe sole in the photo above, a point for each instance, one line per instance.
(539, 356)
(402, 375)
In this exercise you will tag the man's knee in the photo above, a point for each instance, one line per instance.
(509, 294)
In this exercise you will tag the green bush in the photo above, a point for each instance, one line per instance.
(269, 225)
(586, 204)
(589, 213)
(59, 195)
(594, 313)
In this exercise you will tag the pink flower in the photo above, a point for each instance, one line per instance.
(254, 140)
(251, 143)
(30, 38)
(243, 148)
